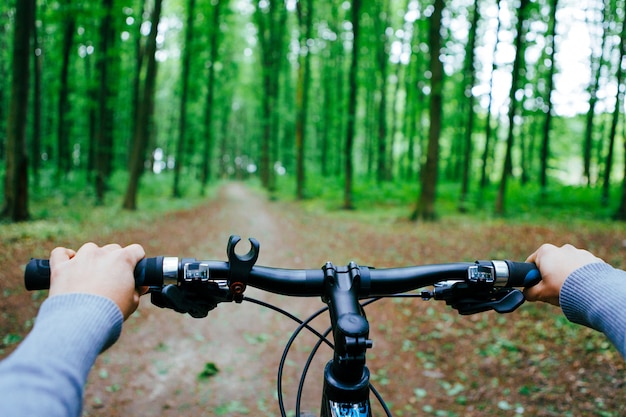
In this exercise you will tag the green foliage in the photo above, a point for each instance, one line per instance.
(68, 210)
(209, 371)
(527, 203)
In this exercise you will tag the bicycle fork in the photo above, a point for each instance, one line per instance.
(346, 377)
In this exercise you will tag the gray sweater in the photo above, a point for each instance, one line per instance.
(595, 296)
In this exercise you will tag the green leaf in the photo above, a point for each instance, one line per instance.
(210, 370)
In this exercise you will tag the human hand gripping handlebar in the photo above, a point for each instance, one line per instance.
(187, 285)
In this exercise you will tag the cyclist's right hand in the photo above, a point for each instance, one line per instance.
(555, 265)
(105, 271)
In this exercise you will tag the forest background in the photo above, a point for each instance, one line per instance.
(114, 111)
(400, 101)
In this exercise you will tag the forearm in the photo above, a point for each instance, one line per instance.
(595, 296)
(46, 375)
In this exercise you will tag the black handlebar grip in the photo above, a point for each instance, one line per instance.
(148, 272)
(523, 274)
(37, 275)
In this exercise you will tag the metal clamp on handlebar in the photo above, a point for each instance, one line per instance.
(495, 273)
(240, 266)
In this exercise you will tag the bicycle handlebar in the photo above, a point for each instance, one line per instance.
(160, 270)
(195, 287)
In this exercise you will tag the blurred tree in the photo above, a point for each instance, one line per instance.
(103, 139)
(617, 112)
(487, 151)
(16, 176)
(37, 102)
(469, 80)
(270, 17)
(305, 21)
(545, 144)
(352, 105)
(68, 24)
(425, 209)
(214, 43)
(513, 106)
(596, 64)
(145, 114)
(182, 127)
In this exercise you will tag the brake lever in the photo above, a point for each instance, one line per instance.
(472, 299)
(195, 299)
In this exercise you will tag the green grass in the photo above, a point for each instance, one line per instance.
(524, 203)
(68, 208)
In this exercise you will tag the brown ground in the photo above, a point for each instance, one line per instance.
(426, 360)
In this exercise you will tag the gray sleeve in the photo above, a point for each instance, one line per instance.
(595, 296)
(46, 374)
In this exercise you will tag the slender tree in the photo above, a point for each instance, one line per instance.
(597, 61)
(545, 144)
(619, 97)
(37, 102)
(103, 140)
(382, 62)
(214, 43)
(513, 108)
(425, 208)
(484, 177)
(63, 130)
(270, 17)
(469, 76)
(182, 127)
(305, 19)
(4, 52)
(144, 125)
(16, 176)
(352, 104)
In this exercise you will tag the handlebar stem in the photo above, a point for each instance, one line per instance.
(350, 326)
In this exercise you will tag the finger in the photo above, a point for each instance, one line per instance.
(135, 251)
(60, 255)
(111, 247)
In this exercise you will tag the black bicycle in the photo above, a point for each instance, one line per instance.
(196, 287)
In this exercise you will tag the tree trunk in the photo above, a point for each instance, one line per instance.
(596, 66)
(545, 144)
(352, 102)
(64, 153)
(517, 65)
(16, 176)
(37, 104)
(4, 87)
(144, 125)
(182, 128)
(619, 96)
(305, 19)
(470, 80)
(104, 120)
(425, 209)
(271, 26)
(620, 214)
(382, 59)
(214, 41)
(484, 176)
